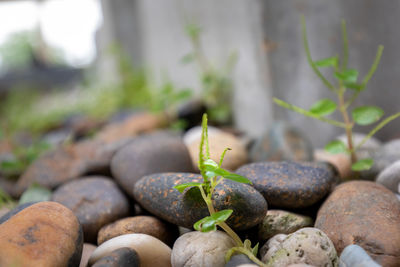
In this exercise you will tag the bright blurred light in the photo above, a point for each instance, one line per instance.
(69, 25)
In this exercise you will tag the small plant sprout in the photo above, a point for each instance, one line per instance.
(347, 89)
(213, 174)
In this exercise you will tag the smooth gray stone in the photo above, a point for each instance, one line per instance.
(355, 256)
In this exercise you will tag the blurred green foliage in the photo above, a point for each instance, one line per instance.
(217, 91)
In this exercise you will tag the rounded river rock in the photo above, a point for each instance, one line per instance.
(363, 213)
(96, 201)
(290, 184)
(43, 234)
(148, 154)
(156, 194)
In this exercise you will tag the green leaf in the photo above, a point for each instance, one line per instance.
(326, 62)
(336, 147)
(237, 178)
(210, 165)
(210, 223)
(349, 76)
(188, 58)
(354, 86)
(323, 107)
(255, 250)
(182, 187)
(362, 165)
(35, 193)
(366, 115)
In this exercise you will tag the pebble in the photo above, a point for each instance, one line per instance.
(342, 162)
(95, 200)
(355, 256)
(307, 245)
(122, 257)
(290, 184)
(86, 253)
(281, 222)
(383, 158)
(239, 260)
(282, 142)
(14, 211)
(141, 225)
(157, 195)
(66, 163)
(152, 252)
(43, 234)
(390, 177)
(197, 249)
(363, 213)
(134, 125)
(142, 157)
(218, 141)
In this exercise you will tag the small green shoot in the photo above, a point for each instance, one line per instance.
(347, 78)
(213, 175)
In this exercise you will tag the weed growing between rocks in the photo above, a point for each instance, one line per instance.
(347, 90)
(213, 174)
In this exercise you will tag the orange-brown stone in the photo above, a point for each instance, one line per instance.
(366, 214)
(44, 234)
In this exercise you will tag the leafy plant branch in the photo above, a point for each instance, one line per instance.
(213, 175)
(347, 79)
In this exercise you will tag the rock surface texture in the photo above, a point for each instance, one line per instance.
(44, 234)
(366, 214)
(307, 245)
(290, 184)
(96, 201)
(197, 249)
(157, 195)
(154, 153)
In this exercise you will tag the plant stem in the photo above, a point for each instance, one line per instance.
(310, 61)
(349, 125)
(377, 128)
(223, 225)
(308, 113)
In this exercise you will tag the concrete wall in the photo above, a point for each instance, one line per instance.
(267, 36)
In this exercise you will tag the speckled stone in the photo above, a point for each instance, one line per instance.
(197, 249)
(149, 225)
(281, 222)
(156, 194)
(282, 142)
(122, 257)
(290, 184)
(307, 245)
(96, 201)
(43, 234)
(363, 213)
(66, 163)
(148, 154)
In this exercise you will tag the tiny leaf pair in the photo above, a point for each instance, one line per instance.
(212, 170)
(210, 223)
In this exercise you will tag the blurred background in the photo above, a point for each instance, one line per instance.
(97, 57)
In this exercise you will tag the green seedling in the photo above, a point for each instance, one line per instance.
(213, 174)
(347, 89)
